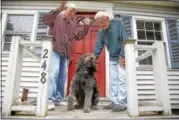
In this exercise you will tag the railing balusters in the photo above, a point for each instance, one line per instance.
(14, 76)
(132, 97)
(160, 77)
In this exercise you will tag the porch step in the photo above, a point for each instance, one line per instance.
(150, 108)
(24, 108)
(143, 106)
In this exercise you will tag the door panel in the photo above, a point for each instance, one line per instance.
(86, 45)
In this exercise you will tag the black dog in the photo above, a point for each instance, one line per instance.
(84, 86)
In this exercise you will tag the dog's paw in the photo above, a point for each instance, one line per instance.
(70, 107)
(86, 110)
(95, 107)
(70, 103)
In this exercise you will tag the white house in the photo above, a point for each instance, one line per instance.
(144, 21)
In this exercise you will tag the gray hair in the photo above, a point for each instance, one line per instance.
(71, 5)
(100, 15)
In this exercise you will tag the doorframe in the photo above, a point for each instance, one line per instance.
(87, 6)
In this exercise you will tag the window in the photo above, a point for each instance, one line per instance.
(17, 25)
(149, 30)
(147, 33)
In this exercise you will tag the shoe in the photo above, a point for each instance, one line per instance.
(51, 105)
(61, 103)
(110, 106)
(118, 108)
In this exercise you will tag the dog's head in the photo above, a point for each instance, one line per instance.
(88, 60)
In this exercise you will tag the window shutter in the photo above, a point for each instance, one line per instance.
(126, 20)
(41, 28)
(41, 31)
(173, 40)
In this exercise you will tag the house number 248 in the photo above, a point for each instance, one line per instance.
(43, 78)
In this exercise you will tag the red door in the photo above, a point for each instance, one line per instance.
(86, 45)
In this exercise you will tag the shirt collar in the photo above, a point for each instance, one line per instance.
(110, 27)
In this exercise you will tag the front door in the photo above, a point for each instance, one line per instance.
(86, 45)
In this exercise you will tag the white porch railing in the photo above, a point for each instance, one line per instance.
(14, 74)
(160, 77)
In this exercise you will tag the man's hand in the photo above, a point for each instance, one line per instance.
(85, 21)
(122, 62)
(62, 5)
(70, 61)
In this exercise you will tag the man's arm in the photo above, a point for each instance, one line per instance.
(99, 45)
(50, 17)
(81, 34)
(123, 36)
(85, 22)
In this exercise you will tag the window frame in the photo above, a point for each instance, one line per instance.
(163, 35)
(145, 30)
(34, 13)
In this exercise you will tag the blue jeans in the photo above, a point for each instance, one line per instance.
(57, 77)
(118, 90)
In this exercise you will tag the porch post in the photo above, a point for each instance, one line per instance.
(160, 78)
(11, 95)
(132, 97)
(44, 78)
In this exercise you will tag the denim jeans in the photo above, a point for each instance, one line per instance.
(118, 90)
(57, 77)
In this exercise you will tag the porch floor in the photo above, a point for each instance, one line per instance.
(61, 112)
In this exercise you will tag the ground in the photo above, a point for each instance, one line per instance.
(61, 112)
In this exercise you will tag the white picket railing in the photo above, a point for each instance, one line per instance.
(12, 86)
(160, 77)
(15, 66)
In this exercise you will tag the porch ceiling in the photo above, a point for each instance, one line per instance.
(170, 3)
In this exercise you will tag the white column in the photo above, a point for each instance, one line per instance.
(109, 10)
(132, 96)
(44, 79)
(160, 78)
(13, 76)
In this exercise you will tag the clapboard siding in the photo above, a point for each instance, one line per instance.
(4, 65)
(144, 10)
(145, 81)
(146, 89)
(173, 81)
(145, 86)
(29, 75)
